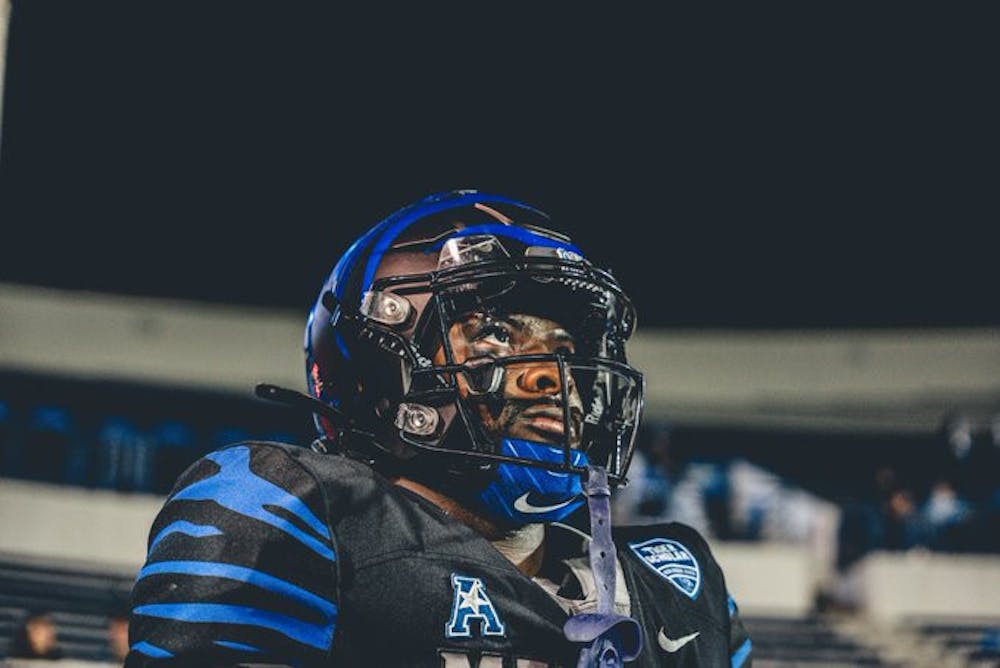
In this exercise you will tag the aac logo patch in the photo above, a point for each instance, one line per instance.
(673, 562)
(471, 602)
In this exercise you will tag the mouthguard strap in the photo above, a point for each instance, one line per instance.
(602, 548)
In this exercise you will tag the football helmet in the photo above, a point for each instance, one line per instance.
(381, 351)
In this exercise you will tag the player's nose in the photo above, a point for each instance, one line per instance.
(542, 378)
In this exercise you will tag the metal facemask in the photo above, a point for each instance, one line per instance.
(590, 412)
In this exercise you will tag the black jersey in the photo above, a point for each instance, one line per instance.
(268, 553)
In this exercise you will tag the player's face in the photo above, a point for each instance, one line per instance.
(533, 405)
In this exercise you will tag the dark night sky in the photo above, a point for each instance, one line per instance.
(787, 170)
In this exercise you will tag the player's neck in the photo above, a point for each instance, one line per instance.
(524, 547)
(513, 545)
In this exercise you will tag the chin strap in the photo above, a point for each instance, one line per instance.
(611, 639)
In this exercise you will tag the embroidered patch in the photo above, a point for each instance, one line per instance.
(471, 602)
(673, 562)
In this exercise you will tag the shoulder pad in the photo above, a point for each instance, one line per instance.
(242, 563)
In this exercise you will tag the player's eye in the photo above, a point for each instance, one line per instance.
(494, 334)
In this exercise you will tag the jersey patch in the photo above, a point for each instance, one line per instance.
(471, 602)
(672, 561)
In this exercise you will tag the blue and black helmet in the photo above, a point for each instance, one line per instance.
(378, 351)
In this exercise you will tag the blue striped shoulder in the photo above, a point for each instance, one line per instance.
(242, 565)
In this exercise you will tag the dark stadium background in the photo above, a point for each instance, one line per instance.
(775, 168)
(741, 168)
(783, 170)
(780, 169)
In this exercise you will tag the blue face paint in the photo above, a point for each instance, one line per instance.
(525, 494)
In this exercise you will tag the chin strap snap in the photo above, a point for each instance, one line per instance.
(611, 639)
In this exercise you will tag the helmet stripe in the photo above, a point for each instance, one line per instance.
(358, 248)
(521, 234)
(416, 213)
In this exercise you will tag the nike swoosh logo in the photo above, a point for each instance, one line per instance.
(521, 505)
(674, 645)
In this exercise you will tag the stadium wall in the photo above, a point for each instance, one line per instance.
(896, 381)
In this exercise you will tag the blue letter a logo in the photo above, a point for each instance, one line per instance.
(471, 602)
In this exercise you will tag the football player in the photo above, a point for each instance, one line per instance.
(467, 373)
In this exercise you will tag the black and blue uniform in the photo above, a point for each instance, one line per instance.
(268, 553)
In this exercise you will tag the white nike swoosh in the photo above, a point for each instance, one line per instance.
(674, 645)
(521, 504)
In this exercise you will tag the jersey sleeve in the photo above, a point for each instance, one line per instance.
(740, 645)
(241, 567)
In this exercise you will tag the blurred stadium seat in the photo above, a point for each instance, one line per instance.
(784, 642)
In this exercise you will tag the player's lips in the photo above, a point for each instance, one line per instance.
(548, 421)
(546, 425)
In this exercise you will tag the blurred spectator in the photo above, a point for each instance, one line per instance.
(958, 430)
(36, 637)
(726, 498)
(970, 462)
(981, 468)
(117, 637)
(862, 522)
(717, 499)
(944, 512)
(903, 525)
(696, 496)
(767, 507)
